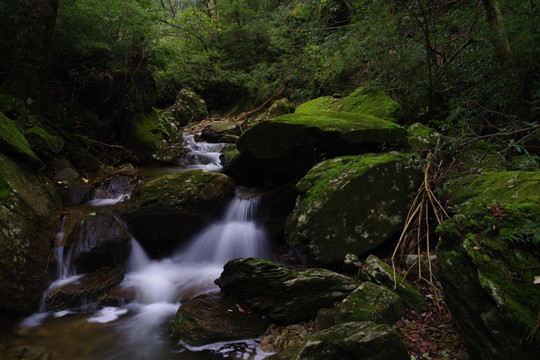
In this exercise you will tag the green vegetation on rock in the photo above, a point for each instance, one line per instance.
(13, 142)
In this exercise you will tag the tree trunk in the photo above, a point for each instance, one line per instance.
(500, 41)
(28, 72)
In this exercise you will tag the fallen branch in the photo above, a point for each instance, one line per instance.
(99, 142)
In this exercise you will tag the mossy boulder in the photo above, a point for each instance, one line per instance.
(422, 137)
(188, 107)
(354, 341)
(13, 142)
(280, 294)
(29, 212)
(170, 208)
(375, 270)
(155, 137)
(351, 204)
(43, 142)
(364, 100)
(212, 318)
(370, 302)
(12, 106)
(288, 146)
(488, 263)
(86, 290)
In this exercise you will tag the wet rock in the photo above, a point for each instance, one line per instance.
(351, 264)
(379, 272)
(212, 318)
(287, 147)
(74, 192)
(370, 302)
(84, 160)
(170, 208)
(351, 204)
(242, 170)
(27, 353)
(488, 267)
(29, 213)
(282, 295)
(85, 290)
(352, 341)
(99, 240)
(217, 132)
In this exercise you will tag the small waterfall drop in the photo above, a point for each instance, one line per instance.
(202, 155)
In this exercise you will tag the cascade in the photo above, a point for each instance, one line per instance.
(138, 330)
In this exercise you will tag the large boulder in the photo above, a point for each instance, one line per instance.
(98, 240)
(189, 107)
(287, 147)
(29, 213)
(364, 100)
(370, 302)
(86, 290)
(171, 208)
(488, 264)
(280, 294)
(354, 341)
(212, 318)
(351, 204)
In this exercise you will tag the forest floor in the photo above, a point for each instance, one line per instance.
(431, 334)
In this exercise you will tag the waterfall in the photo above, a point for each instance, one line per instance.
(202, 155)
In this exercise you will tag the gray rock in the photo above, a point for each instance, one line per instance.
(351, 204)
(282, 295)
(354, 341)
(85, 290)
(216, 132)
(212, 318)
(370, 302)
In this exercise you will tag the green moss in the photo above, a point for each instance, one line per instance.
(507, 274)
(317, 181)
(43, 139)
(316, 106)
(5, 189)
(12, 105)
(371, 101)
(337, 121)
(14, 142)
(364, 100)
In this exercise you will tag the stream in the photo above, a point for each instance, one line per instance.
(138, 330)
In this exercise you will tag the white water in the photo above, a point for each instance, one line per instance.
(202, 155)
(138, 330)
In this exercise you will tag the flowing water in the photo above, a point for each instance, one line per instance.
(138, 330)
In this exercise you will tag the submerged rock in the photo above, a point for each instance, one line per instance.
(354, 341)
(29, 212)
(351, 204)
(370, 302)
(488, 264)
(85, 290)
(212, 318)
(287, 147)
(281, 294)
(170, 208)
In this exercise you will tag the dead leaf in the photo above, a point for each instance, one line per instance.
(497, 211)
